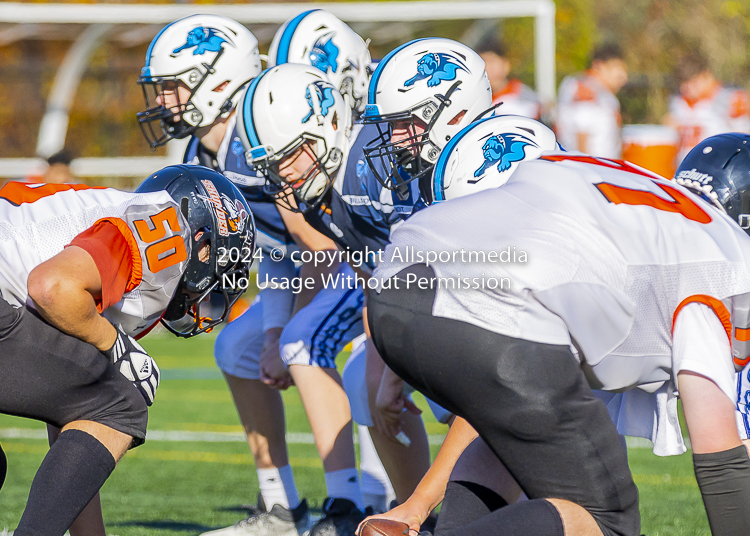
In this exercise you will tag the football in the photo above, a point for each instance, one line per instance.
(384, 527)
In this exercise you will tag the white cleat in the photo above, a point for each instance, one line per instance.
(279, 521)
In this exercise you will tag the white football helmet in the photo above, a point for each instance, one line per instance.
(214, 57)
(285, 108)
(436, 84)
(485, 154)
(320, 39)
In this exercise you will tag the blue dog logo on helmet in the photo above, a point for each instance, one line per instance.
(324, 55)
(204, 40)
(325, 99)
(436, 68)
(503, 150)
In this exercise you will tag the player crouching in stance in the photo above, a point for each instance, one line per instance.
(83, 272)
(608, 246)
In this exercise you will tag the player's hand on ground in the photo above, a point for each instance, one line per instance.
(410, 513)
(272, 370)
(132, 361)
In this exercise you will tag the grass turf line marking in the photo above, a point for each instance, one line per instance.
(292, 438)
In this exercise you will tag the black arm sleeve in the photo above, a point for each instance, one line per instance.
(724, 481)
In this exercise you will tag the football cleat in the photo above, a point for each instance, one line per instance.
(341, 517)
(279, 521)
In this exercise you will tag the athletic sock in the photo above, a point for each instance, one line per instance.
(277, 487)
(376, 487)
(73, 470)
(344, 484)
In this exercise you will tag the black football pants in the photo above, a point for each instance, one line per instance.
(530, 402)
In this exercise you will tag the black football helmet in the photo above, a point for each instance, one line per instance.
(718, 170)
(223, 243)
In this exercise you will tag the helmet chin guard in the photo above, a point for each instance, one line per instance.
(223, 244)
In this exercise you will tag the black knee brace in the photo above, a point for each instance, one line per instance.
(3, 467)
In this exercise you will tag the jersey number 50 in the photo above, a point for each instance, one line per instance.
(164, 252)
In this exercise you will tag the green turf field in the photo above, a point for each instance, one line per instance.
(198, 473)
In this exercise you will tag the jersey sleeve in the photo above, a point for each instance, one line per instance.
(701, 345)
(110, 243)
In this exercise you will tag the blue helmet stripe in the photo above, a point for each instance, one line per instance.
(445, 155)
(153, 42)
(282, 54)
(379, 69)
(247, 111)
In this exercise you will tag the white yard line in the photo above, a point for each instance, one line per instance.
(294, 438)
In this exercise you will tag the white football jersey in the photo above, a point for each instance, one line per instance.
(585, 106)
(724, 110)
(37, 221)
(588, 252)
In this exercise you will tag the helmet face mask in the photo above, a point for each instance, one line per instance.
(211, 59)
(312, 181)
(436, 82)
(410, 157)
(222, 244)
(294, 126)
(177, 116)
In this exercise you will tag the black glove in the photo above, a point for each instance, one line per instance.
(135, 364)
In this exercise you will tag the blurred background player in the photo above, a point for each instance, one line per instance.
(703, 106)
(100, 268)
(588, 112)
(517, 97)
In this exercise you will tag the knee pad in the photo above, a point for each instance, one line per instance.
(238, 346)
(355, 385)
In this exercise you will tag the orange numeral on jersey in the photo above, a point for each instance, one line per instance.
(681, 204)
(167, 252)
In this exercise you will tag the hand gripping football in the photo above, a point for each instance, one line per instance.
(383, 527)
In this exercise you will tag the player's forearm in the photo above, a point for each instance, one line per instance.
(63, 289)
(431, 489)
(73, 311)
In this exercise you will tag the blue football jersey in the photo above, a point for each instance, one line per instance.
(360, 212)
(230, 161)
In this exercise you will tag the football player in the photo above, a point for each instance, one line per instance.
(294, 128)
(84, 272)
(588, 112)
(191, 75)
(614, 278)
(704, 107)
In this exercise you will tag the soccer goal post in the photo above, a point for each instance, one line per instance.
(98, 19)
